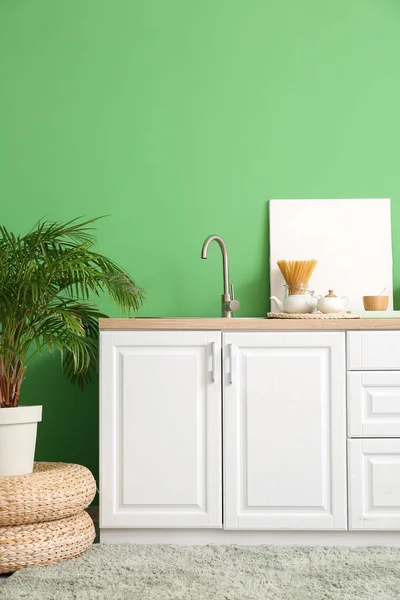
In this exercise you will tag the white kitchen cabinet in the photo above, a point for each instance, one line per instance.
(374, 484)
(209, 433)
(284, 430)
(373, 403)
(160, 429)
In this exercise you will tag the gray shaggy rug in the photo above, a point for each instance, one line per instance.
(129, 572)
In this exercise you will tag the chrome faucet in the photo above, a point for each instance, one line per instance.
(229, 304)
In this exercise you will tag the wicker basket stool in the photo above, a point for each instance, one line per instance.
(53, 491)
(46, 543)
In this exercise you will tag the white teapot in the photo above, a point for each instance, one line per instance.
(331, 303)
(296, 303)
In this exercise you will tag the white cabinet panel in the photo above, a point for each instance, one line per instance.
(373, 403)
(284, 430)
(374, 484)
(161, 429)
(373, 350)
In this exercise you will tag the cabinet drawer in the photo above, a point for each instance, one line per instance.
(374, 484)
(373, 403)
(373, 350)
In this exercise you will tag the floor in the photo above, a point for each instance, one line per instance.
(152, 572)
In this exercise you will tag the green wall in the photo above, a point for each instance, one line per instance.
(181, 118)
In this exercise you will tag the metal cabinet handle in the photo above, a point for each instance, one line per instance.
(230, 346)
(213, 361)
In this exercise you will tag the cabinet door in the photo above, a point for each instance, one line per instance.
(160, 429)
(374, 484)
(284, 430)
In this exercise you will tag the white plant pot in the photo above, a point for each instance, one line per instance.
(18, 428)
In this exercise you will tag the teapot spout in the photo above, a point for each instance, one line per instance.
(277, 302)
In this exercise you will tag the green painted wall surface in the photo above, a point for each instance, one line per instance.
(181, 118)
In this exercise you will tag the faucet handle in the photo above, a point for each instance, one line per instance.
(229, 304)
(233, 305)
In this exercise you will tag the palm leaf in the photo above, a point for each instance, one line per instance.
(46, 280)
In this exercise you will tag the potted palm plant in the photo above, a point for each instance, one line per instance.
(47, 278)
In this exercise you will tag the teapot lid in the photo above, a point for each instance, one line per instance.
(330, 294)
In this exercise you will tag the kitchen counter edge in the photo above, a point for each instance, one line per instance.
(251, 324)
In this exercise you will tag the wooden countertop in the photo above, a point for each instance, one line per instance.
(257, 324)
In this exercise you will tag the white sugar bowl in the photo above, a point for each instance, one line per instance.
(331, 303)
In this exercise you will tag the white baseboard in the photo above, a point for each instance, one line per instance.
(190, 537)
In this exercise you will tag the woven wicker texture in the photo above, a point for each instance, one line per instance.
(272, 315)
(45, 543)
(52, 491)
